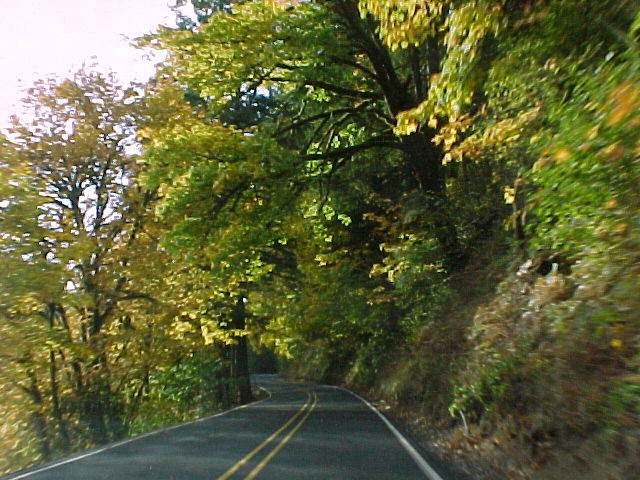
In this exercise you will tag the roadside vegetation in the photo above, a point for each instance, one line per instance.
(433, 201)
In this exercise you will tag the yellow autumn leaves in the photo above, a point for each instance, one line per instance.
(623, 101)
(622, 104)
(404, 23)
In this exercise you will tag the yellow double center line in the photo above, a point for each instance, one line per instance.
(312, 400)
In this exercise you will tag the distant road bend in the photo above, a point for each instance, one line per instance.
(299, 432)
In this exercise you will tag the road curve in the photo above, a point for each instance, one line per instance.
(301, 432)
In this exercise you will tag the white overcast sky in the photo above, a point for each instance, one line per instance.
(43, 37)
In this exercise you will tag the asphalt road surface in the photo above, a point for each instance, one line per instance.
(300, 432)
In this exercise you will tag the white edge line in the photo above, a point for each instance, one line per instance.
(131, 440)
(427, 469)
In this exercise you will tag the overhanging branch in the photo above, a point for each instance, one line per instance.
(376, 142)
(323, 115)
(347, 92)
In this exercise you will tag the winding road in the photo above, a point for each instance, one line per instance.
(300, 432)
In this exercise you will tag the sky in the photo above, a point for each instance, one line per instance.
(39, 38)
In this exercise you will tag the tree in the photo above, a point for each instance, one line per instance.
(231, 186)
(89, 298)
(76, 153)
(340, 89)
(299, 142)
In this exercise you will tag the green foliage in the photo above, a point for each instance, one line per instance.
(90, 305)
(496, 386)
(590, 165)
(192, 387)
(622, 403)
(343, 171)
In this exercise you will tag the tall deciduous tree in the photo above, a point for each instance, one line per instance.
(76, 153)
(340, 88)
(225, 195)
(95, 306)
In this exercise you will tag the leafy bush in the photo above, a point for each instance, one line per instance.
(191, 387)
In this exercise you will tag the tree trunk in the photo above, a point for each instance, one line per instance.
(38, 420)
(422, 156)
(53, 310)
(97, 396)
(55, 403)
(94, 413)
(425, 160)
(239, 353)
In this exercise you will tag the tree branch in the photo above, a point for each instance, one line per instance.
(375, 142)
(352, 63)
(131, 295)
(343, 91)
(396, 97)
(322, 115)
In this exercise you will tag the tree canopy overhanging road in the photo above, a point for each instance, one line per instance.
(298, 432)
(435, 200)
